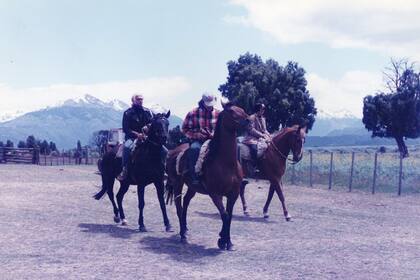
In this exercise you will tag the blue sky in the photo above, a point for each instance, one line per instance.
(172, 51)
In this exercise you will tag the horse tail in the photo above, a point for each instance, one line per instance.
(107, 166)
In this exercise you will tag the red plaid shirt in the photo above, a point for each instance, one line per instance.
(198, 120)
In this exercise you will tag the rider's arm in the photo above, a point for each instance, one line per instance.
(126, 126)
(188, 128)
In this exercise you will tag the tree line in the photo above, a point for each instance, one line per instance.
(45, 147)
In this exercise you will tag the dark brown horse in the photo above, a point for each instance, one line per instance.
(222, 173)
(273, 164)
(145, 168)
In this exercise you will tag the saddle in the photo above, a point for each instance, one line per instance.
(181, 160)
(244, 151)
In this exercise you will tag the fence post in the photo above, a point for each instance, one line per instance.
(330, 177)
(374, 173)
(400, 176)
(310, 168)
(351, 171)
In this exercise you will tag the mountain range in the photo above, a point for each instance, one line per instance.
(69, 121)
(77, 119)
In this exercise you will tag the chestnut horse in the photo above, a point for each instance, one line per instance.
(222, 173)
(273, 164)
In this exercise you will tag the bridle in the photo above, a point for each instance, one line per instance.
(285, 157)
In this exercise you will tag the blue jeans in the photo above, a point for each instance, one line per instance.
(193, 155)
(128, 146)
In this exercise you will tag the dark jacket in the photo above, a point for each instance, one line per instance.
(134, 119)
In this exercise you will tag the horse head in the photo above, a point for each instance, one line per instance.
(159, 128)
(296, 141)
(234, 117)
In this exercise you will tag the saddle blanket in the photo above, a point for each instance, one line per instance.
(245, 150)
(199, 164)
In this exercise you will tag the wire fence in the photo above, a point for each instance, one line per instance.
(368, 171)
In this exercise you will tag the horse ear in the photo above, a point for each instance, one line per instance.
(168, 114)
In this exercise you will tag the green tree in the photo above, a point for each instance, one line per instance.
(53, 147)
(9, 144)
(44, 148)
(30, 142)
(1, 144)
(396, 113)
(21, 144)
(281, 88)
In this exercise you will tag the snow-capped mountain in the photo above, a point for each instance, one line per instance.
(7, 116)
(69, 121)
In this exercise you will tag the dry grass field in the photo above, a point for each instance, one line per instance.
(51, 228)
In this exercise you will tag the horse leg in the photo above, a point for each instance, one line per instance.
(178, 205)
(140, 196)
(110, 193)
(120, 196)
(160, 190)
(279, 191)
(242, 194)
(231, 200)
(267, 203)
(187, 198)
(223, 240)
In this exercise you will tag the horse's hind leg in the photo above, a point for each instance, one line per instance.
(178, 204)
(110, 193)
(279, 191)
(242, 194)
(267, 203)
(140, 195)
(120, 196)
(187, 198)
(160, 190)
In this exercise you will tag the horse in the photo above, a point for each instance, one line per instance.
(145, 168)
(221, 173)
(272, 164)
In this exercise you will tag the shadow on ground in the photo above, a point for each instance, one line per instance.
(181, 252)
(216, 216)
(110, 229)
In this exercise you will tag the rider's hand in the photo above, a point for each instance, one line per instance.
(140, 136)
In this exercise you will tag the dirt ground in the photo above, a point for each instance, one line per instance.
(51, 228)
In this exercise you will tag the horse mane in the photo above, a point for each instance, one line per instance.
(285, 131)
(216, 141)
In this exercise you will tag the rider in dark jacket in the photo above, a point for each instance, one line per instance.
(135, 125)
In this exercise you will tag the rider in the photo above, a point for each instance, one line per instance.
(198, 126)
(135, 125)
(257, 131)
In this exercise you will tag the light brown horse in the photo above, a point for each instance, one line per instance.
(222, 173)
(273, 164)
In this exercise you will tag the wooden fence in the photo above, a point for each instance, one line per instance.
(32, 156)
(368, 171)
(19, 155)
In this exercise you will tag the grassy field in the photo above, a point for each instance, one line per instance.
(387, 171)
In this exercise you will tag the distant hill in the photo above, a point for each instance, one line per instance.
(72, 120)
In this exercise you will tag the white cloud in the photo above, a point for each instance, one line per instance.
(344, 94)
(167, 92)
(388, 26)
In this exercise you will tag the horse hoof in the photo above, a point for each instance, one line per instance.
(246, 213)
(142, 229)
(221, 244)
(168, 228)
(266, 216)
(184, 240)
(124, 222)
(117, 219)
(230, 247)
(288, 218)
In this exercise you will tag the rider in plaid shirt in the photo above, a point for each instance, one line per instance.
(198, 126)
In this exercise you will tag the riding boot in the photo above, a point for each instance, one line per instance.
(193, 154)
